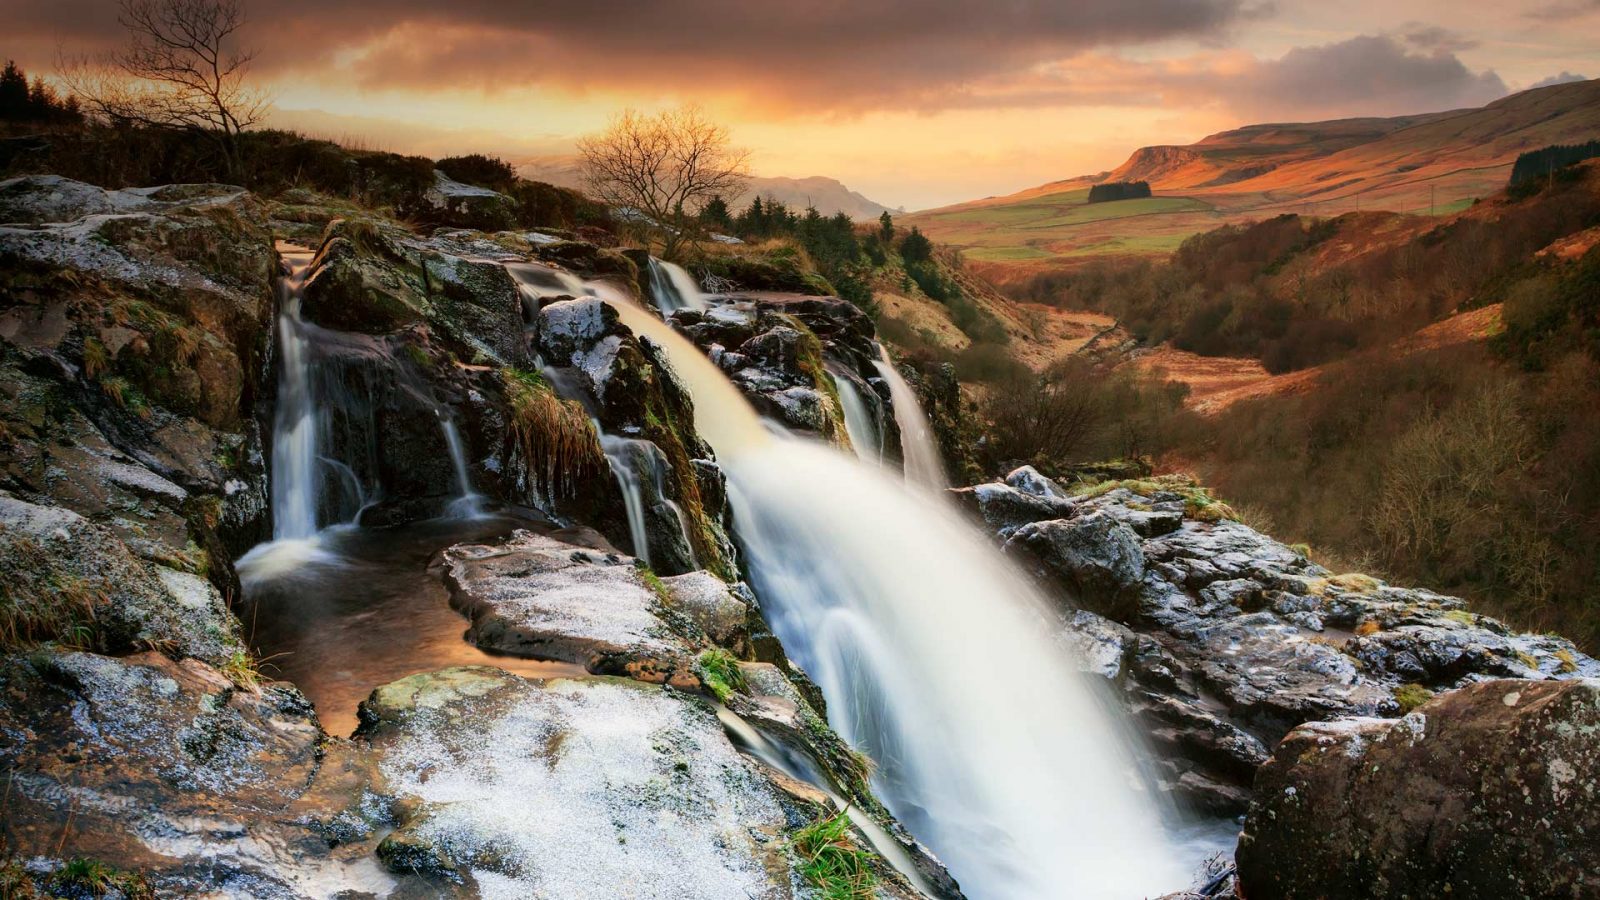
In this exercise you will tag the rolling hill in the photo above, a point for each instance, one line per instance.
(1433, 163)
(828, 195)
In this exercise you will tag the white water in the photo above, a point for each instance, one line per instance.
(296, 481)
(936, 658)
(673, 288)
(923, 464)
(859, 421)
(468, 503)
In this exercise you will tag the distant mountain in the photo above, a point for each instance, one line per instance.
(828, 195)
(1435, 162)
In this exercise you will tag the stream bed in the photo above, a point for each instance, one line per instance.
(368, 610)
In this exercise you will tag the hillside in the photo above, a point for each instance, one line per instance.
(1434, 163)
(828, 195)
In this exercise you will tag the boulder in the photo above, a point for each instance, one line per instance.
(459, 205)
(1492, 790)
(711, 605)
(540, 597)
(571, 788)
(1095, 557)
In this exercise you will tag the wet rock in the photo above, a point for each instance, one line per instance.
(539, 597)
(72, 580)
(1097, 558)
(1492, 790)
(165, 768)
(1235, 639)
(647, 787)
(460, 205)
(1004, 508)
(711, 605)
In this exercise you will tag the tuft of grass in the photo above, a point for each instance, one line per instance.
(1198, 503)
(96, 358)
(720, 673)
(831, 862)
(125, 396)
(1569, 663)
(1411, 696)
(1462, 617)
(39, 603)
(81, 876)
(557, 440)
(1370, 626)
(242, 670)
(1355, 582)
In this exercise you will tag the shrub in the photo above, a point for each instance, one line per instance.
(484, 171)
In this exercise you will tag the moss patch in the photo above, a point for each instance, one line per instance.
(1411, 696)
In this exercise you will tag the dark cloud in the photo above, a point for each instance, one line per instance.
(1436, 38)
(1564, 10)
(1366, 75)
(827, 54)
(1564, 78)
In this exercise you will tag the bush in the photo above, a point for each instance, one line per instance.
(484, 171)
(1119, 190)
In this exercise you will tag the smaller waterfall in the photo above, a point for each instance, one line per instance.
(860, 420)
(923, 464)
(468, 503)
(673, 288)
(641, 472)
(296, 481)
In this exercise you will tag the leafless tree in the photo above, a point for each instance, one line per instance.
(1054, 413)
(666, 167)
(181, 68)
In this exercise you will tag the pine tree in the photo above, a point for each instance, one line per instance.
(13, 93)
(886, 227)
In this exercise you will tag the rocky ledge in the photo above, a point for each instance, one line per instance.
(1221, 640)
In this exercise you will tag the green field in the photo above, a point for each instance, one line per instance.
(1065, 225)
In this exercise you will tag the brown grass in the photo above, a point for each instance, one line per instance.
(555, 436)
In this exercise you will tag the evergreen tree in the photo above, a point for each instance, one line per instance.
(886, 227)
(13, 93)
(915, 247)
(716, 215)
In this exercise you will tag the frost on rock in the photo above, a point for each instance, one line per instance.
(536, 596)
(573, 789)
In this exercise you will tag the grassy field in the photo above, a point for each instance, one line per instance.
(1064, 225)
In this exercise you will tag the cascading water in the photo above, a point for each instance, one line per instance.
(937, 659)
(295, 477)
(923, 464)
(468, 503)
(860, 420)
(674, 288)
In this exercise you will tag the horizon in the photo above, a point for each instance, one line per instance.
(993, 103)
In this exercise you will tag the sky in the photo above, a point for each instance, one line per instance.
(914, 103)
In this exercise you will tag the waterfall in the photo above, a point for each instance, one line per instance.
(860, 421)
(295, 477)
(923, 464)
(673, 288)
(468, 503)
(937, 659)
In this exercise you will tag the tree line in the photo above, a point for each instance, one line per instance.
(34, 101)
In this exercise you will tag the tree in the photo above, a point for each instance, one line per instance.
(716, 215)
(915, 247)
(181, 68)
(886, 227)
(13, 93)
(665, 167)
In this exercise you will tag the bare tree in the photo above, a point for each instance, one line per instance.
(665, 167)
(181, 68)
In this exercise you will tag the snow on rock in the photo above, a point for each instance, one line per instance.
(572, 788)
(536, 596)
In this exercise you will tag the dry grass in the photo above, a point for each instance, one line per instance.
(557, 441)
(40, 604)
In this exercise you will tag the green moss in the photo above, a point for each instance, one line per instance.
(1355, 582)
(831, 862)
(419, 356)
(1197, 501)
(1462, 617)
(720, 672)
(1411, 696)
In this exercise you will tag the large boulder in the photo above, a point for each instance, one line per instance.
(571, 789)
(1096, 557)
(453, 203)
(132, 348)
(1490, 791)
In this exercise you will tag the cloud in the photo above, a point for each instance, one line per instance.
(1564, 10)
(859, 54)
(1564, 78)
(1436, 38)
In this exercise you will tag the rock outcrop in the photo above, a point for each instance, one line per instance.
(1223, 640)
(1492, 790)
